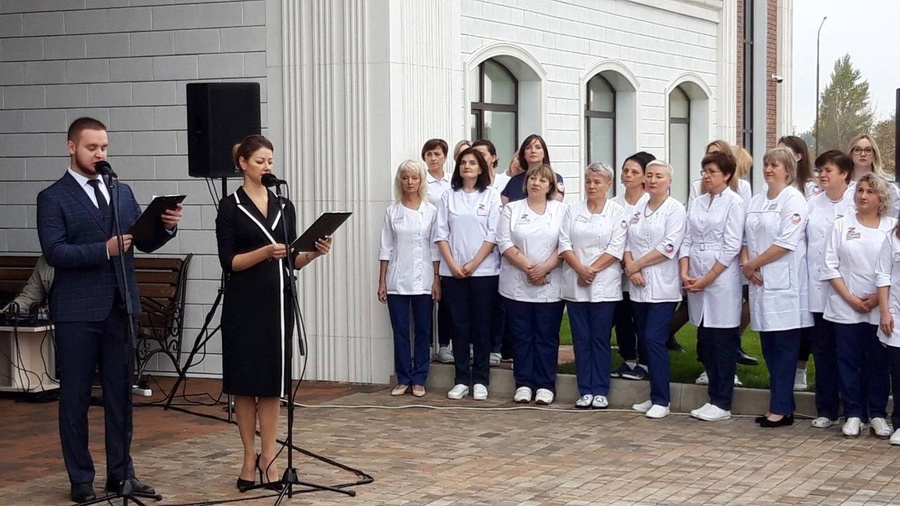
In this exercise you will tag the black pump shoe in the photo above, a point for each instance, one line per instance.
(271, 485)
(244, 485)
(785, 421)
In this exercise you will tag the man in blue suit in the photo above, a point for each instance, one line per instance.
(88, 304)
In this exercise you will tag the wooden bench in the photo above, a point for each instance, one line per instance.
(162, 286)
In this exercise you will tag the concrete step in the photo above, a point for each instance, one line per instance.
(624, 393)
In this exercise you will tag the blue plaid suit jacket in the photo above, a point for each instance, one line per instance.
(73, 235)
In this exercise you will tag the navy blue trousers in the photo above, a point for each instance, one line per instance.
(718, 350)
(893, 356)
(445, 324)
(80, 348)
(625, 333)
(411, 362)
(780, 349)
(863, 370)
(471, 302)
(591, 324)
(652, 322)
(824, 351)
(535, 330)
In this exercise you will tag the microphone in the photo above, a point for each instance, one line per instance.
(103, 168)
(270, 180)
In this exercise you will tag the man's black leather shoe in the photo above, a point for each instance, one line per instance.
(136, 486)
(744, 359)
(83, 492)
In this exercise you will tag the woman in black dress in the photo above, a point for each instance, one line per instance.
(256, 316)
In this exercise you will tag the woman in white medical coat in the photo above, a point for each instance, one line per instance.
(867, 158)
(835, 200)
(773, 260)
(887, 278)
(466, 235)
(850, 268)
(528, 238)
(591, 243)
(655, 232)
(711, 276)
(408, 281)
(633, 367)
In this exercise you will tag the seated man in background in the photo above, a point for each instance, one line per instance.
(36, 290)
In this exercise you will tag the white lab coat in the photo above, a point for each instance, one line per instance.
(500, 180)
(537, 237)
(589, 236)
(851, 255)
(407, 244)
(437, 187)
(887, 273)
(466, 221)
(629, 214)
(714, 234)
(744, 190)
(781, 303)
(822, 213)
(661, 230)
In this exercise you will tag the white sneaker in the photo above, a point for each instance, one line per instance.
(543, 397)
(479, 392)
(600, 402)
(851, 427)
(880, 428)
(642, 407)
(714, 414)
(458, 392)
(800, 380)
(495, 359)
(444, 355)
(737, 381)
(522, 395)
(823, 422)
(703, 379)
(657, 411)
(695, 412)
(895, 439)
(584, 401)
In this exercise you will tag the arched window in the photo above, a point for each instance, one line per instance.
(680, 142)
(495, 107)
(600, 121)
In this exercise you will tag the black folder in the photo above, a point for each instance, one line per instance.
(149, 222)
(324, 226)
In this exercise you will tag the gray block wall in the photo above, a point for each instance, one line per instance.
(126, 63)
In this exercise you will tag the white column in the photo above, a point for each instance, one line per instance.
(364, 84)
(783, 109)
(726, 85)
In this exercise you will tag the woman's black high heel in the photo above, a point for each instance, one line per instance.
(244, 485)
(271, 485)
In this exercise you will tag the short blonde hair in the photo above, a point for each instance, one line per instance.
(600, 168)
(882, 188)
(786, 157)
(545, 171)
(661, 163)
(414, 167)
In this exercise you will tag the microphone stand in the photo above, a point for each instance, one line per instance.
(125, 490)
(290, 477)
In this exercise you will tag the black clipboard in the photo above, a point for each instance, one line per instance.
(149, 222)
(324, 226)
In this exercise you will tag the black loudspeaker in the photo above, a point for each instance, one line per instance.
(219, 115)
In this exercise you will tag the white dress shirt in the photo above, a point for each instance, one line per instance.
(887, 273)
(822, 213)
(408, 246)
(715, 230)
(851, 255)
(83, 182)
(589, 236)
(782, 302)
(466, 221)
(537, 237)
(661, 230)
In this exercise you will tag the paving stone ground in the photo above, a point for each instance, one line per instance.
(463, 452)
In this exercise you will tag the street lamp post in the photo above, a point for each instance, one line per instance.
(818, 37)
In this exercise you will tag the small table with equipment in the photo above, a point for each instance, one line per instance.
(27, 361)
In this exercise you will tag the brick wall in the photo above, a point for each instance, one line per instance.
(771, 68)
(125, 63)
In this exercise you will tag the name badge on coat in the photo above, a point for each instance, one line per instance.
(853, 234)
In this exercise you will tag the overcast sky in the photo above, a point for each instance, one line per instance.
(869, 30)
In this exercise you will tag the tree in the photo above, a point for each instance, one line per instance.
(884, 136)
(844, 110)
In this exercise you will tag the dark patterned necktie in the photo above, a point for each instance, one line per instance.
(101, 199)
